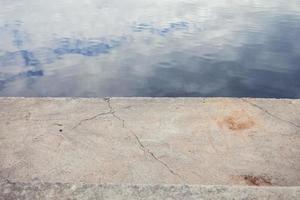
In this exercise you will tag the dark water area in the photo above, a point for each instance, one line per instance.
(150, 48)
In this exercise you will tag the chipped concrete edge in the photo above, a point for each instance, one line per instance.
(41, 190)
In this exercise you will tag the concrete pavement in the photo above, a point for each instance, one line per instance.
(151, 141)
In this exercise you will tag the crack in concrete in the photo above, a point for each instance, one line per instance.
(141, 145)
(271, 114)
(112, 111)
(155, 157)
(91, 118)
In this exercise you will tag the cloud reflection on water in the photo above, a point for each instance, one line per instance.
(152, 48)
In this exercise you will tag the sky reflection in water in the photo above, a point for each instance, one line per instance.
(150, 48)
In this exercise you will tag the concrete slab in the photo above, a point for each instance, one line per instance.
(203, 141)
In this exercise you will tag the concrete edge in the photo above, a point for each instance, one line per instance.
(40, 190)
(146, 98)
(37, 181)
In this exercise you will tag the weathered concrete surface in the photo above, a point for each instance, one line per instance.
(201, 141)
(38, 190)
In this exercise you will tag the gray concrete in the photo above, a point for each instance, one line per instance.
(194, 141)
(38, 190)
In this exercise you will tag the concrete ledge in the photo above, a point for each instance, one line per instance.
(202, 141)
(38, 190)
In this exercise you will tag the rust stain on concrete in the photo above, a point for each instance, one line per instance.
(252, 180)
(237, 121)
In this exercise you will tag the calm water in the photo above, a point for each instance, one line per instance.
(96, 48)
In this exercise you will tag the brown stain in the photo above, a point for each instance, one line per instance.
(255, 180)
(237, 121)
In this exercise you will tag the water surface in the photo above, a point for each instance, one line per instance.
(97, 48)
